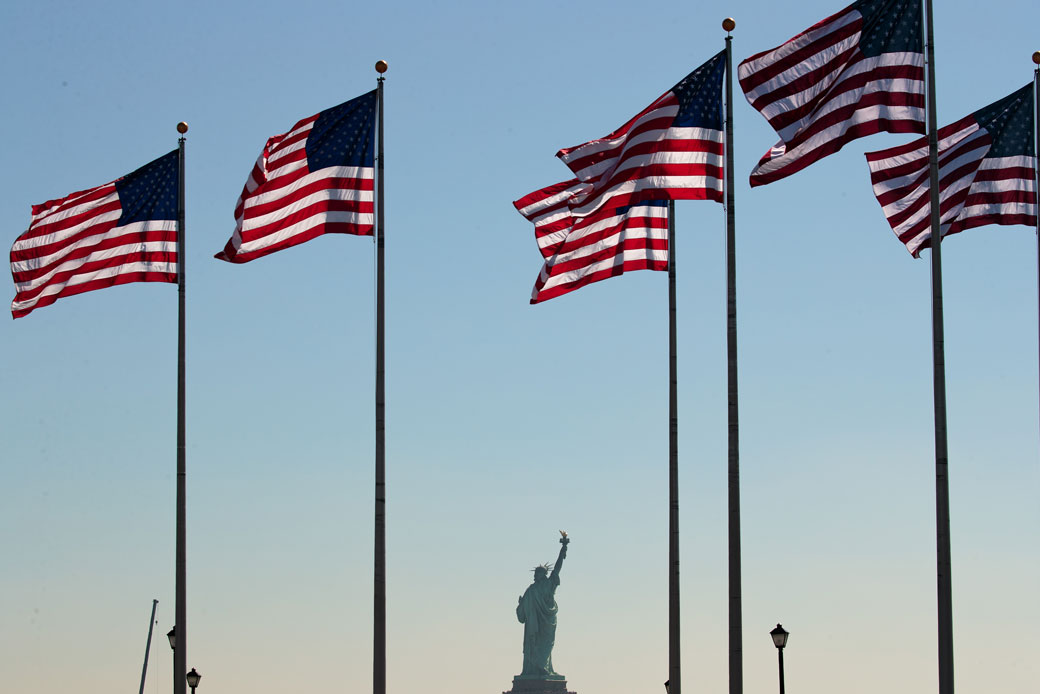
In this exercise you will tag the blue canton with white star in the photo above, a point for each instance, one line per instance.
(344, 135)
(890, 26)
(150, 193)
(700, 96)
(1010, 123)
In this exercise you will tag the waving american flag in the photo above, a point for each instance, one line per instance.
(316, 179)
(854, 74)
(120, 232)
(612, 217)
(987, 174)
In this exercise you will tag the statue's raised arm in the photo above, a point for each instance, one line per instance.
(563, 554)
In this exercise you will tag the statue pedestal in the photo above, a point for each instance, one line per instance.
(547, 686)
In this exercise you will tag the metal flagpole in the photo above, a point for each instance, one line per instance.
(1036, 150)
(942, 484)
(736, 655)
(674, 653)
(379, 597)
(180, 660)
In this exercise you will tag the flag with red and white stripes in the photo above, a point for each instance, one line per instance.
(580, 250)
(673, 149)
(318, 178)
(987, 174)
(856, 73)
(613, 217)
(123, 231)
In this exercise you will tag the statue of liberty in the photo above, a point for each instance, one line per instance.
(536, 610)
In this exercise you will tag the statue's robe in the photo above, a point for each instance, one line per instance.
(537, 612)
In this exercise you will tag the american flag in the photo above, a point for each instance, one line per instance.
(672, 150)
(316, 179)
(580, 250)
(854, 74)
(987, 174)
(613, 217)
(123, 231)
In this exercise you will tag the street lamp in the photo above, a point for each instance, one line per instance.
(193, 679)
(780, 640)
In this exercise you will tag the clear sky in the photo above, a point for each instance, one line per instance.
(506, 422)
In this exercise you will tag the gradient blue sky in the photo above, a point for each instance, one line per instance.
(506, 422)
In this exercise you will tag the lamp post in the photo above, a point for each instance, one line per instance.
(780, 640)
(193, 679)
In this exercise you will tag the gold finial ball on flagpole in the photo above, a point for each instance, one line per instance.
(728, 24)
(182, 127)
(381, 66)
(1036, 57)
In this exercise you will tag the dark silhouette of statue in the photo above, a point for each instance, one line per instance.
(536, 610)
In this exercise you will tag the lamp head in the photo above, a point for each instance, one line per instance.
(779, 636)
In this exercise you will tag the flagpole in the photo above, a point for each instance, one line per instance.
(674, 652)
(379, 597)
(180, 660)
(942, 484)
(1036, 150)
(736, 654)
